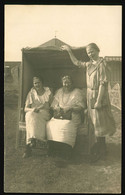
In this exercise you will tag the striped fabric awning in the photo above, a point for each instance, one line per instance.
(113, 58)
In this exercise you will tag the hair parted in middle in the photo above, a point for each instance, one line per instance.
(66, 77)
(38, 77)
(93, 45)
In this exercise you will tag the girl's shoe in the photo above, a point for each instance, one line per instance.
(33, 143)
(28, 152)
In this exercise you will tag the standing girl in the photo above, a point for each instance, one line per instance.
(99, 109)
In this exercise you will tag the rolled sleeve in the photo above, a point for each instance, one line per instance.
(81, 64)
(79, 99)
(103, 79)
(29, 99)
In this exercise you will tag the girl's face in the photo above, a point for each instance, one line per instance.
(92, 53)
(37, 84)
(67, 84)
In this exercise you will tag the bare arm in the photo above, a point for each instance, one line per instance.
(103, 80)
(28, 108)
(76, 48)
(55, 105)
(72, 57)
(28, 105)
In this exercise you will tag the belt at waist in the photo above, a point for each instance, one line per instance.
(92, 89)
(61, 118)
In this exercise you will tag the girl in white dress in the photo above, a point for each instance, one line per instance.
(37, 113)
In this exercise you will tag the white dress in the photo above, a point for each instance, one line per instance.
(65, 130)
(36, 122)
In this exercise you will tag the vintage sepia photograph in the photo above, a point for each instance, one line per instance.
(62, 98)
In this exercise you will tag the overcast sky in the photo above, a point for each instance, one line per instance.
(32, 25)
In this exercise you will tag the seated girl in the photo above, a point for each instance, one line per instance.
(62, 129)
(37, 113)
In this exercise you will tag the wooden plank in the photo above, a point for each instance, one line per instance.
(19, 102)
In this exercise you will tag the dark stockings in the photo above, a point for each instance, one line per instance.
(28, 151)
(59, 149)
(98, 150)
